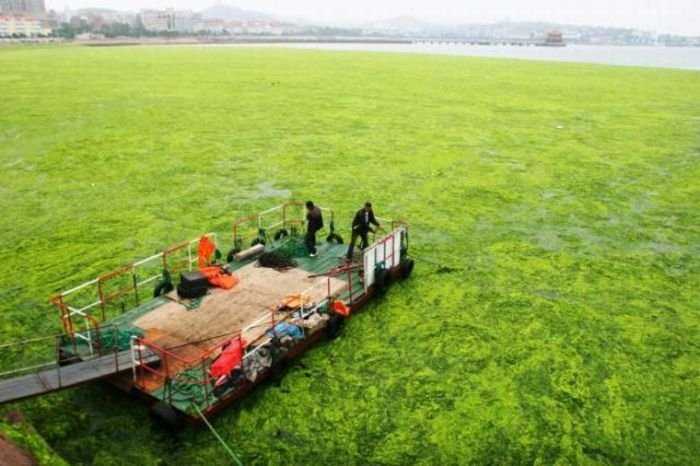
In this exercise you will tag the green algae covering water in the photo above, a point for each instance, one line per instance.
(553, 313)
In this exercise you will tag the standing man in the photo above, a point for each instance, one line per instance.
(314, 217)
(361, 226)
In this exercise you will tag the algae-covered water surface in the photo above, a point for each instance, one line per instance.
(553, 313)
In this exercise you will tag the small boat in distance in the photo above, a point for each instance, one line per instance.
(554, 39)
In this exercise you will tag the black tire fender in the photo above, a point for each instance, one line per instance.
(279, 370)
(406, 268)
(334, 238)
(162, 288)
(281, 234)
(166, 414)
(335, 326)
(382, 280)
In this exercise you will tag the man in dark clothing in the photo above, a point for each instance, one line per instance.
(315, 223)
(361, 226)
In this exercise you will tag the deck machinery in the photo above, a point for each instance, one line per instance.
(192, 357)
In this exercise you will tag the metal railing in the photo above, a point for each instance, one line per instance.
(282, 217)
(79, 306)
(172, 365)
(17, 351)
(57, 373)
(385, 252)
(92, 298)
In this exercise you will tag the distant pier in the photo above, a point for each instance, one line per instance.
(252, 40)
(477, 41)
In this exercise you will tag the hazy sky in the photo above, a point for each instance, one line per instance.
(677, 16)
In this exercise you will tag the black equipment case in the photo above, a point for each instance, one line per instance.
(192, 284)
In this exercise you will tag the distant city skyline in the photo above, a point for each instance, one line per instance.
(665, 16)
(35, 6)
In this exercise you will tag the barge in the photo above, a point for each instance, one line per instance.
(191, 330)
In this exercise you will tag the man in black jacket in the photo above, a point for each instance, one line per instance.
(315, 223)
(361, 226)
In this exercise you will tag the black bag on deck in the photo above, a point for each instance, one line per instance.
(192, 285)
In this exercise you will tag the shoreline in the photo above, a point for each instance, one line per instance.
(317, 40)
(652, 57)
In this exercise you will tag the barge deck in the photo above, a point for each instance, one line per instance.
(194, 356)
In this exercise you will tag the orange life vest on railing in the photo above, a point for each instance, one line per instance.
(204, 251)
(215, 274)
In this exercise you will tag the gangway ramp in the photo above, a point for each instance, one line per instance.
(60, 377)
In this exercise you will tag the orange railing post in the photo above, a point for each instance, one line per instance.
(170, 250)
(240, 222)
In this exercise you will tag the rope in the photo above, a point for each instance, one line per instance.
(186, 388)
(218, 437)
(292, 246)
(274, 260)
(194, 303)
(120, 339)
(190, 304)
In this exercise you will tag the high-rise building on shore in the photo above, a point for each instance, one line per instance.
(25, 18)
(184, 21)
(23, 6)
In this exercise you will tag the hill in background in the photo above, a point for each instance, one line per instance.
(232, 13)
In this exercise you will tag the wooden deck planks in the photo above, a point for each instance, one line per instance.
(222, 313)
